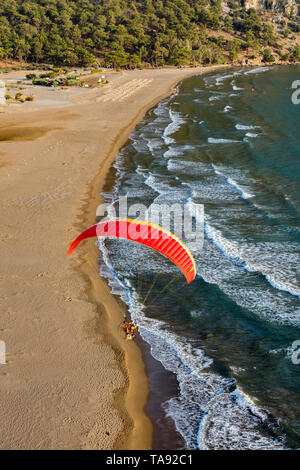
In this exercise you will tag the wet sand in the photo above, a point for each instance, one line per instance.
(70, 381)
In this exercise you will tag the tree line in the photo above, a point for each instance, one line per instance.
(125, 33)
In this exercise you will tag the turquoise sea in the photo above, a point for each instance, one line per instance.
(229, 140)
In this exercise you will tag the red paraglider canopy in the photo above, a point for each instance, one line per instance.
(147, 234)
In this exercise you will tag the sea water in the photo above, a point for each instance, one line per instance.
(230, 141)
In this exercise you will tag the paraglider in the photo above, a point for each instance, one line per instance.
(129, 329)
(148, 234)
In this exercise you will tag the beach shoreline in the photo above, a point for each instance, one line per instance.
(49, 188)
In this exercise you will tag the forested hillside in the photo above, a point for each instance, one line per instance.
(133, 33)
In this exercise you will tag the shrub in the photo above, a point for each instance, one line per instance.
(294, 27)
(30, 76)
(18, 96)
(7, 97)
(283, 56)
(294, 54)
(29, 98)
(268, 56)
(52, 74)
(233, 55)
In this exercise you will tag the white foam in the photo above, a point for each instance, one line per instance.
(232, 423)
(242, 127)
(219, 79)
(267, 303)
(154, 144)
(212, 140)
(282, 283)
(235, 87)
(214, 98)
(217, 96)
(177, 150)
(173, 126)
(245, 194)
(158, 184)
(186, 416)
(203, 395)
(287, 352)
(188, 167)
(257, 70)
(252, 135)
(205, 411)
(172, 152)
(140, 146)
(234, 184)
(222, 78)
(244, 253)
(227, 109)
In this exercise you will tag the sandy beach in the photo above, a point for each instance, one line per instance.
(70, 381)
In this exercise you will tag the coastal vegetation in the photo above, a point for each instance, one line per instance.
(130, 34)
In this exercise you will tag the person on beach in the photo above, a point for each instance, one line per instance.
(129, 329)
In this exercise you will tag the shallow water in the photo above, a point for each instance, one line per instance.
(229, 141)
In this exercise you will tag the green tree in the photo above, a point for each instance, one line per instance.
(22, 49)
(268, 56)
(37, 48)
